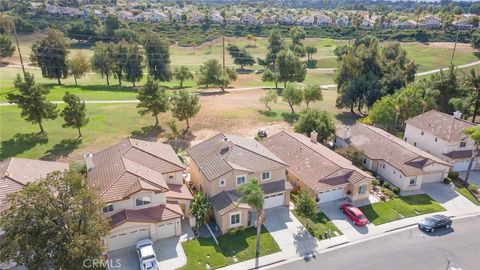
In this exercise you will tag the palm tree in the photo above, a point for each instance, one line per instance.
(252, 194)
(474, 134)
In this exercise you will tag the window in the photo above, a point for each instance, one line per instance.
(413, 181)
(234, 219)
(362, 189)
(108, 208)
(266, 176)
(241, 179)
(171, 176)
(422, 133)
(383, 165)
(436, 139)
(364, 161)
(405, 138)
(143, 201)
(414, 144)
(463, 144)
(221, 183)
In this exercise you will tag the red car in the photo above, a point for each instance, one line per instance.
(354, 214)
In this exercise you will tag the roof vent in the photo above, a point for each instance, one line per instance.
(226, 139)
(457, 115)
(88, 161)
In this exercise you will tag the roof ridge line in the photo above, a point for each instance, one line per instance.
(150, 153)
(145, 180)
(282, 162)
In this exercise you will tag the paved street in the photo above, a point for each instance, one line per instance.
(410, 249)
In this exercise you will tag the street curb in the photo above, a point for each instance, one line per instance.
(267, 264)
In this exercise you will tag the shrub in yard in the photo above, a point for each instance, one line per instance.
(375, 182)
(396, 190)
(473, 188)
(305, 205)
(381, 181)
(389, 193)
(386, 185)
(447, 180)
(453, 175)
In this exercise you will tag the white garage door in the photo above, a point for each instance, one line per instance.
(165, 230)
(331, 195)
(274, 200)
(127, 238)
(432, 177)
(462, 165)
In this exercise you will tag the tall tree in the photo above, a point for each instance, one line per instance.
(475, 40)
(78, 66)
(74, 112)
(134, 64)
(271, 76)
(158, 57)
(182, 73)
(32, 100)
(6, 46)
(290, 67)
(252, 194)
(153, 99)
(473, 82)
(293, 95)
(55, 223)
(200, 208)
(102, 61)
(119, 54)
(315, 120)
(270, 96)
(240, 56)
(305, 205)
(474, 134)
(211, 73)
(275, 45)
(297, 35)
(185, 106)
(50, 52)
(312, 93)
(310, 50)
(447, 84)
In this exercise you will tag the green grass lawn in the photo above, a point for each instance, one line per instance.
(465, 193)
(232, 248)
(319, 224)
(399, 208)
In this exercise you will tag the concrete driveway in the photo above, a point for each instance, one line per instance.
(169, 251)
(288, 232)
(473, 178)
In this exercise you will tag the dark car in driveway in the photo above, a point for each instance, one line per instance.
(431, 223)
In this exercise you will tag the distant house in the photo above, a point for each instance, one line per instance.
(430, 22)
(305, 21)
(99, 14)
(286, 20)
(215, 18)
(141, 17)
(409, 24)
(158, 16)
(342, 21)
(125, 15)
(326, 175)
(268, 21)
(442, 135)
(367, 23)
(69, 11)
(197, 17)
(249, 19)
(324, 20)
(233, 20)
(403, 165)
(52, 9)
(462, 24)
(177, 15)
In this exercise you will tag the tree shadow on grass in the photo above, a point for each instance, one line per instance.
(271, 114)
(62, 149)
(290, 117)
(95, 87)
(20, 143)
(347, 118)
(149, 133)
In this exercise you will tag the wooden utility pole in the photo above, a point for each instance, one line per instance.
(18, 47)
(454, 46)
(223, 47)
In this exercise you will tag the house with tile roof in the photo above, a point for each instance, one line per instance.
(317, 169)
(141, 186)
(398, 162)
(441, 135)
(220, 164)
(430, 22)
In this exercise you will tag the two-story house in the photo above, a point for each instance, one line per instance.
(430, 22)
(324, 20)
(249, 19)
(326, 175)
(403, 165)
(141, 186)
(222, 163)
(441, 135)
(306, 21)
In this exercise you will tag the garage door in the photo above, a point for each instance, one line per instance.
(331, 195)
(127, 238)
(462, 165)
(432, 177)
(165, 230)
(274, 200)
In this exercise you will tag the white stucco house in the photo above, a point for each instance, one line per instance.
(441, 135)
(401, 164)
(430, 22)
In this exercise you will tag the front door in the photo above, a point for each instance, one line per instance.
(252, 219)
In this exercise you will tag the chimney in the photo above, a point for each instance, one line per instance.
(88, 161)
(457, 115)
(347, 133)
(314, 136)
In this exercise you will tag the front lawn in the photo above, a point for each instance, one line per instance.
(465, 193)
(318, 225)
(233, 248)
(399, 208)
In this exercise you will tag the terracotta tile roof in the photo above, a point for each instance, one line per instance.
(179, 192)
(317, 166)
(130, 166)
(441, 125)
(17, 172)
(152, 214)
(227, 201)
(276, 186)
(378, 144)
(461, 154)
(223, 153)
